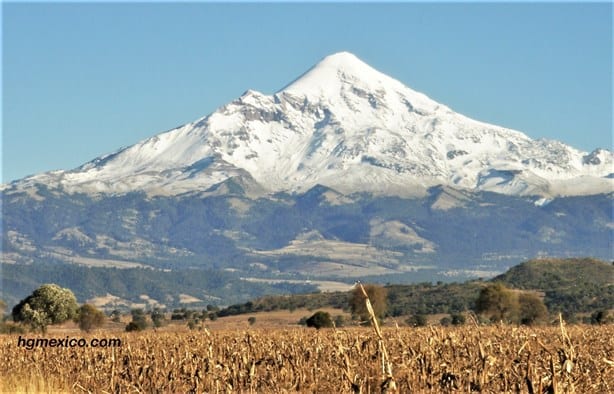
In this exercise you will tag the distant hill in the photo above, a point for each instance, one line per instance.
(546, 274)
(570, 286)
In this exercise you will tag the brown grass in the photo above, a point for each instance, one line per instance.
(495, 359)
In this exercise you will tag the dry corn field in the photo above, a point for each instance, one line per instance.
(495, 359)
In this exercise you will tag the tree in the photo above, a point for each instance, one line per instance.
(319, 320)
(498, 303)
(532, 309)
(49, 304)
(157, 317)
(88, 317)
(139, 321)
(377, 296)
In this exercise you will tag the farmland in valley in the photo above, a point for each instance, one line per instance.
(574, 358)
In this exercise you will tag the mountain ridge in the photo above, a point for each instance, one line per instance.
(347, 126)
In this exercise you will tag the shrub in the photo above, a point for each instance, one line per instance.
(88, 317)
(601, 317)
(138, 322)
(458, 319)
(133, 326)
(319, 320)
(157, 317)
(417, 320)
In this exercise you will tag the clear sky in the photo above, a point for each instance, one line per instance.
(80, 80)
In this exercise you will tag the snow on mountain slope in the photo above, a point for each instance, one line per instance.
(347, 126)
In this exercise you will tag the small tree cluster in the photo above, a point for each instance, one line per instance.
(211, 313)
(455, 319)
(498, 303)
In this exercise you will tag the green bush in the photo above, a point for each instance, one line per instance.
(458, 319)
(138, 322)
(417, 320)
(319, 320)
(601, 317)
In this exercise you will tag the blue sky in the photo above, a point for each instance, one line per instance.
(80, 80)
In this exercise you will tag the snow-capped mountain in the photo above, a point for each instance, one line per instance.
(347, 126)
(447, 197)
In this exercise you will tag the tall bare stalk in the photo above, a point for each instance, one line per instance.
(388, 383)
